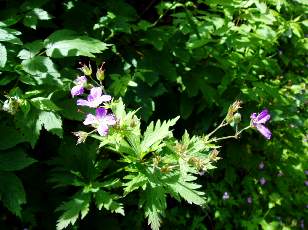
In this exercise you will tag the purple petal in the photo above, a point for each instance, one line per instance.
(263, 117)
(110, 120)
(77, 90)
(102, 129)
(82, 102)
(90, 119)
(264, 131)
(106, 97)
(101, 112)
(80, 80)
(253, 116)
(96, 92)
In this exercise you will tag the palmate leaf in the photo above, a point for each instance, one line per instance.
(154, 134)
(78, 205)
(108, 201)
(67, 43)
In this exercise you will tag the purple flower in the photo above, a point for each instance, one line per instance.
(94, 99)
(306, 172)
(306, 182)
(249, 200)
(225, 196)
(261, 165)
(262, 181)
(78, 89)
(101, 121)
(259, 120)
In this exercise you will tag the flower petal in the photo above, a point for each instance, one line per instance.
(101, 112)
(102, 129)
(82, 102)
(90, 119)
(253, 116)
(96, 92)
(106, 97)
(263, 117)
(77, 90)
(80, 80)
(110, 120)
(264, 131)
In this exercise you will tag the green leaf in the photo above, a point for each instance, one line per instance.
(3, 56)
(188, 191)
(79, 205)
(12, 192)
(43, 70)
(155, 205)
(136, 181)
(107, 200)
(154, 134)
(31, 49)
(43, 103)
(66, 43)
(31, 18)
(8, 35)
(10, 137)
(51, 122)
(14, 159)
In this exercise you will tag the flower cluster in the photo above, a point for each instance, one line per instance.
(101, 120)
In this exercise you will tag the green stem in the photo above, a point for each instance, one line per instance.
(236, 135)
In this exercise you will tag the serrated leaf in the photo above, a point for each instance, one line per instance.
(43, 70)
(135, 182)
(3, 56)
(14, 159)
(188, 191)
(43, 103)
(51, 122)
(154, 134)
(107, 200)
(66, 43)
(12, 192)
(79, 205)
(155, 205)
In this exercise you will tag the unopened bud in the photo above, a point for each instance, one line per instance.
(87, 70)
(82, 136)
(237, 118)
(100, 74)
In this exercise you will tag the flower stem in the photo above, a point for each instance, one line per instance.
(236, 135)
(222, 124)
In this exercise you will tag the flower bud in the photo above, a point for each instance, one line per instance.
(87, 70)
(100, 74)
(237, 118)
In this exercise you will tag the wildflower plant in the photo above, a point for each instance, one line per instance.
(153, 163)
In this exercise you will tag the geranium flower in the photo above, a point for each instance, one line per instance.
(101, 121)
(259, 120)
(94, 99)
(78, 89)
